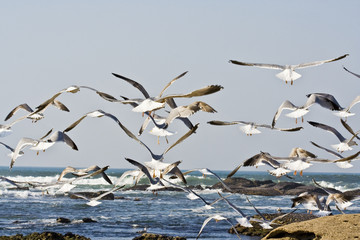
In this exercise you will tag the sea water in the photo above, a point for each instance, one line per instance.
(167, 212)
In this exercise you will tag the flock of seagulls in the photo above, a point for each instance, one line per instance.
(160, 173)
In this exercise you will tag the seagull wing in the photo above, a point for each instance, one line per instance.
(328, 150)
(357, 75)
(199, 92)
(142, 168)
(260, 65)
(60, 105)
(234, 171)
(329, 129)
(285, 105)
(316, 63)
(186, 135)
(21, 106)
(349, 129)
(134, 83)
(24, 142)
(170, 83)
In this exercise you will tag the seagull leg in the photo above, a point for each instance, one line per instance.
(286, 81)
(37, 153)
(295, 172)
(301, 173)
(158, 140)
(295, 120)
(302, 118)
(292, 82)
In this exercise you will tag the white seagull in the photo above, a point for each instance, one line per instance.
(41, 144)
(82, 172)
(217, 218)
(344, 145)
(323, 99)
(250, 128)
(288, 73)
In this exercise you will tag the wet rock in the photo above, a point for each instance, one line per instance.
(45, 236)
(267, 187)
(63, 220)
(88, 220)
(153, 236)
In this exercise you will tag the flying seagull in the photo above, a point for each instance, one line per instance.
(323, 99)
(288, 73)
(82, 172)
(344, 145)
(250, 128)
(341, 164)
(217, 218)
(95, 200)
(41, 144)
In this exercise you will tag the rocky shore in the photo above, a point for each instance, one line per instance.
(45, 236)
(345, 226)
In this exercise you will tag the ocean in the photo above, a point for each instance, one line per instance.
(167, 212)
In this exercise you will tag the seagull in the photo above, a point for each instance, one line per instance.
(345, 112)
(341, 199)
(38, 113)
(94, 114)
(250, 128)
(41, 144)
(325, 100)
(206, 171)
(136, 174)
(192, 195)
(312, 202)
(32, 115)
(82, 172)
(11, 150)
(244, 220)
(217, 218)
(263, 158)
(288, 73)
(94, 201)
(344, 145)
(357, 75)
(264, 223)
(148, 104)
(145, 93)
(155, 183)
(156, 162)
(342, 164)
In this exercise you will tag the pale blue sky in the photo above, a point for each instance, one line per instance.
(47, 46)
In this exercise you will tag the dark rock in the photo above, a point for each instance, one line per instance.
(267, 187)
(109, 196)
(63, 220)
(88, 220)
(153, 236)
(45, 236)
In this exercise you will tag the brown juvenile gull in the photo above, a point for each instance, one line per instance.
(288, 73)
